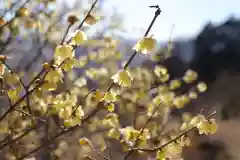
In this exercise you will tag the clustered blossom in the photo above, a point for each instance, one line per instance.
(146, 45)
(63, 52)
(190, 76)
(123, 78)
(78, 38)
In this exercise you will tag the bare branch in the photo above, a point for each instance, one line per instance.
(172, 140)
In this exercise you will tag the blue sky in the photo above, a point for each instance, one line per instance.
(188, 16)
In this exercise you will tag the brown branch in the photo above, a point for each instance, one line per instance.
(9, 142)
(30, 115)
(66, 33)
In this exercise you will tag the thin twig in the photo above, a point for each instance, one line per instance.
(46, 135)
(25, 113)
(11, 108)
(98, 153)
(66, 33)
(81, 101)
(141, 132)
(135, 116)
(157, 13)
(164, 123)
(13, 150)
(29, 115)
(23, 85)
(9, 142)
(108, 149)
(172, 140)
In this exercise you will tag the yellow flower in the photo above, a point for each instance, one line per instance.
(110, 43)
(65, 113)
(54, 76)
(161, 155)
(146, 45)
(184, 126)
(84, 141)
(164, 78)
(109, 97)
(185, 141)
(202, 87)
(2, 69)
(123, 78)
(22, 12)
(80, 112)
(186, 117)
(92, 56)
(167, 98)
(81, 62)
(80, 82)
(46, 66)
(190, 76)
(68, 64)
(30, 24)
(174, 84)
(91, 20)
(160, 71)
(212, 126)
(181, 101)
(13, 95)
(195, 120)
(72, 122)
(207, 126)
(193, 95)
(174, 148)
(162, 89)
(110, 107)
(98, 95)
(113, 133)
(63, 52)
(49, 86)
(2, 21)
(79, 37)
